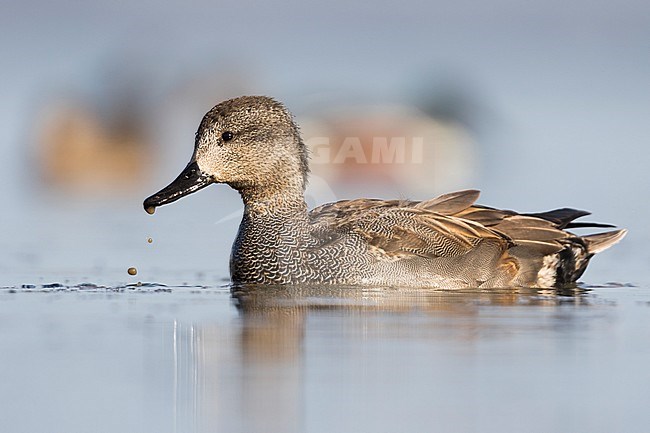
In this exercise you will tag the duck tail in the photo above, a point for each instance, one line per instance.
(574, 258)
(601, 241)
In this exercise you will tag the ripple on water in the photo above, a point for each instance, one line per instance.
(139, 287)
(345, 297)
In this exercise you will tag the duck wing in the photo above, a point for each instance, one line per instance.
(400, 228)
(453, 212)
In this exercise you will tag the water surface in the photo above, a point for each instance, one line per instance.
(148, 357)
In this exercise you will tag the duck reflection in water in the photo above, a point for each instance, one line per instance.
(255, 379)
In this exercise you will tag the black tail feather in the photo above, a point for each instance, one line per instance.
(575, 225)
(562, 217)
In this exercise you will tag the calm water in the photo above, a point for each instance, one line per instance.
(87, 349)
(152, 358)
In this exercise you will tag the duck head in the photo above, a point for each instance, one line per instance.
(250, 143)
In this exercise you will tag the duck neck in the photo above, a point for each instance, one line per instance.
(272, 234)
(280, 204)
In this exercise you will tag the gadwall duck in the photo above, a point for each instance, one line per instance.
(252, 144)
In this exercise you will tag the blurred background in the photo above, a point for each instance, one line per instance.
(539, 105)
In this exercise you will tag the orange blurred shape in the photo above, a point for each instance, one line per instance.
(78, 153)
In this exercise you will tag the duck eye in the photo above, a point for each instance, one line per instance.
(227, 136)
